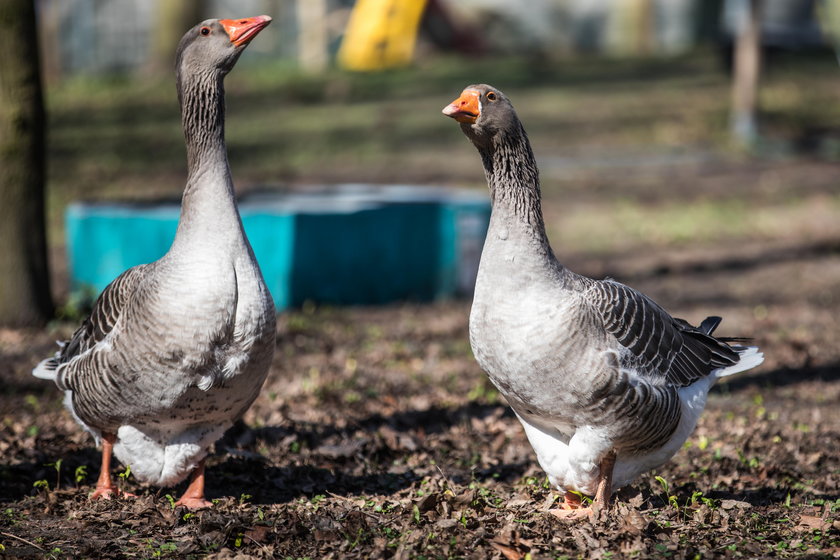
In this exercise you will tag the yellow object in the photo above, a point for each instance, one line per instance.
(381, 34)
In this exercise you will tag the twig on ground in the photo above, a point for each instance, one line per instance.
(21, 539)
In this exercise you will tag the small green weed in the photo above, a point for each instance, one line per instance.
(57, 466)
(483, 391)
(161, 549)
(752, 462)
(316, 500)
(80, 474)
(33, 402)
(670, 499)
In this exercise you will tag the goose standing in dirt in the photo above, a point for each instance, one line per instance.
(177, 350)
(606, 384)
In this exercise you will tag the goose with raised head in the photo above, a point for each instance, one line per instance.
(606, 384)
(175, 351)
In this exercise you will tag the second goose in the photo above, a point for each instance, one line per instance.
(605, 382)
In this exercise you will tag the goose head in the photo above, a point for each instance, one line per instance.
(484, 113)
(214, 45)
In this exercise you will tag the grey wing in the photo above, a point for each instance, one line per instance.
(658, 345)
(106, 311)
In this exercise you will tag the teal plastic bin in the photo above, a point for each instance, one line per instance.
(349, 244)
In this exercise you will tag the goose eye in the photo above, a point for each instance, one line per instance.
(205, 31)
(491, 96)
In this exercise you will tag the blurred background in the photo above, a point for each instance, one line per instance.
(688, 148)
(667, 131)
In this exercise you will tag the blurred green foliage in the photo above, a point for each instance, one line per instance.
(120, 138)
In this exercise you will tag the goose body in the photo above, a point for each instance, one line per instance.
(175, 351)
(606, 384)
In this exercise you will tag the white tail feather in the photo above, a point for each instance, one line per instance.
(46, 369)
(750, 357)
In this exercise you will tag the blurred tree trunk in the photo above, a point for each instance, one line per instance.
(24, 275)
(174, 18)
(746, 72)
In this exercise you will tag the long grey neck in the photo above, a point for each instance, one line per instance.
(514, 183)
(202, 98)
(208, 207)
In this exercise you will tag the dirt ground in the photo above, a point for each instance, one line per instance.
(377, 436)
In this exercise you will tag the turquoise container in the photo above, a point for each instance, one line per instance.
(349, 244)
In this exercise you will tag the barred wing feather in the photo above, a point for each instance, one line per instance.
(657, 345)
(106, 311)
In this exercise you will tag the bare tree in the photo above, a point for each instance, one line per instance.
(24, 276)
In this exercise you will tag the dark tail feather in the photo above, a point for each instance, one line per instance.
(709, 325)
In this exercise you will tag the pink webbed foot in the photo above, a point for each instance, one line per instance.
(572, 508)
(193, 497)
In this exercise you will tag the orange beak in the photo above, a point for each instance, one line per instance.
(241, 31)
(466, 108)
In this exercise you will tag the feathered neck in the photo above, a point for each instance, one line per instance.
(512, 176)
(202, 99)
(208, 208)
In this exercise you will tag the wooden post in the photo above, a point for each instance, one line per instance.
(174, 18)
(745, 76)
(312, 35)
(49, 28)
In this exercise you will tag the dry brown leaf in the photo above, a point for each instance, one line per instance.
(258, 533)
(732, 504)
(507, 550)
(812, 522)
(633, 522)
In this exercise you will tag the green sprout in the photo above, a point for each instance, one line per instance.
(80, 474)
(57, 467)
(669, 498)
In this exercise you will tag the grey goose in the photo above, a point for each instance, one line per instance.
(175, 351)
(606, 384)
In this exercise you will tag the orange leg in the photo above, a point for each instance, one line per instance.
(602, 494)
(193, 497)
(104, 485)
(571, 507)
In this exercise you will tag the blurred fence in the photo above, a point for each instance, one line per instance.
(106, 36)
